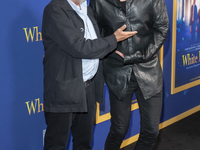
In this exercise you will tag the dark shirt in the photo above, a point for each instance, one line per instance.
(123, 5)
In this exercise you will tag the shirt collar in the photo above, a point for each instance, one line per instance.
(77, 8)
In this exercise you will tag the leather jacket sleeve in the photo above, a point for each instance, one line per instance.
(160, 30)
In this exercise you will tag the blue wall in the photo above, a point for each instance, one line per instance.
(22, 122)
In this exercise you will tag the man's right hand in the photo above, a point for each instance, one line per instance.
(121, 35)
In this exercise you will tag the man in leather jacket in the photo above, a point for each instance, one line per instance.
(134, 67)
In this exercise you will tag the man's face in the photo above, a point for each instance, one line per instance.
(194, 2)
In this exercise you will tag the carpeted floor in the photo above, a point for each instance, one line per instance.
(182, 135)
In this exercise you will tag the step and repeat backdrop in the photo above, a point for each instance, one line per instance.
(22, 125)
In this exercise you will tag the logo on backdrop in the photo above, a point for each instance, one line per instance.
(32, 34)
(190, 59)
(34, 106)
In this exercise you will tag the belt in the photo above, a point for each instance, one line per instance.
(88, 82)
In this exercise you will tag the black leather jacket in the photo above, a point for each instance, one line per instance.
(150, 19)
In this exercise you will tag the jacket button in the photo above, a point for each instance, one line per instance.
(82, 29)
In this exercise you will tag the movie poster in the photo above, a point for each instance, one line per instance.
(186, 45)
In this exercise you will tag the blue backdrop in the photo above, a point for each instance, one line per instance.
(22, 124)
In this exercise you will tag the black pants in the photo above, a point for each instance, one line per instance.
(81, 125)
(150, 111)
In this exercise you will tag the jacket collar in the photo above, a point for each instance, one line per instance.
(64, 4)
(114, 2)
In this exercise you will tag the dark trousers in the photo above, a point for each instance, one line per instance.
(150, 111)
(81, 125)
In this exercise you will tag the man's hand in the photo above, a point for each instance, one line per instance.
(122, 35)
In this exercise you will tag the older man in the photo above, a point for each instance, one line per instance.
(72, 81)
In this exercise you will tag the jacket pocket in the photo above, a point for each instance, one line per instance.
(116, 79)
(69, 92)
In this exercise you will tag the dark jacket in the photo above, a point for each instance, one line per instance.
(65, 47)
(150, 19)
